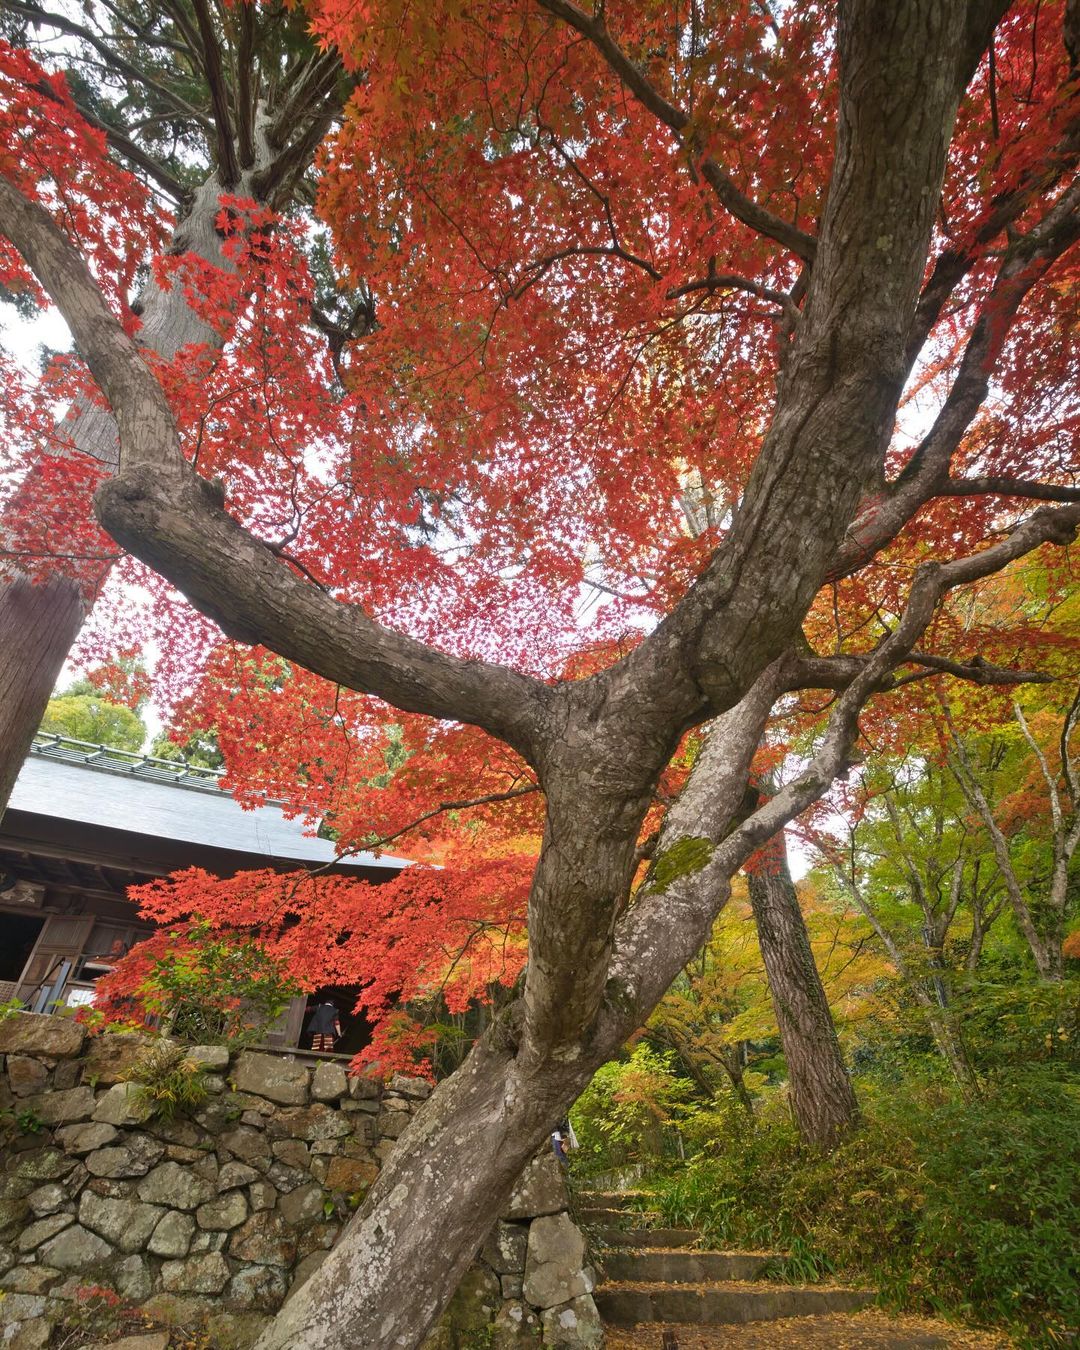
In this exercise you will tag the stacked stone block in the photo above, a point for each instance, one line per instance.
(218, 1216)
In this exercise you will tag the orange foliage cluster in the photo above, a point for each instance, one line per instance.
(564, 364)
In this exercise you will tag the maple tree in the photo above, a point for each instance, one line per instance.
(958, 837)
(600, 271)
(908, 865)
(1036, 886)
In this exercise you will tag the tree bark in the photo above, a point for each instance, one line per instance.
(38, 624)
(822, 1097)
(399, 1262)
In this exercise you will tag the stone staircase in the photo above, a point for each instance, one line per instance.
(654, 1275)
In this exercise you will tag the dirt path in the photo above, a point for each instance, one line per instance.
(870, 1330)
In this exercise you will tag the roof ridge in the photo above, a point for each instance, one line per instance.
(133, 763)
(267, 828)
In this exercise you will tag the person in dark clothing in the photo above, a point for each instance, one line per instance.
(563, 1140)
(325, 1026)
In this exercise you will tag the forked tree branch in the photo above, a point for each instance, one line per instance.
(674, 915)
(174, 520)
(1056, 525)
(926, 476)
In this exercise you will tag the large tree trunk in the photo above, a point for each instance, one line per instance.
(822, 1097)
(34, 647)
(437, 1198)
(38, 624)
(596, 965)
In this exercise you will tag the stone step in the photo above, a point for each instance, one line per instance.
(624, 1304)
(867, 1331)
(618, 1218)
(680, 1266)
(645, 1237)
(609, 1199)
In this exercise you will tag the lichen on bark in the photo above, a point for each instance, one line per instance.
(682, 859)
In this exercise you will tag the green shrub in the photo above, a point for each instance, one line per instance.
(626, 1114)
(167, 1082)
(966, 1207)
(1002, 1206)
(211, 988)
(1012, 1022)
(24, 1120)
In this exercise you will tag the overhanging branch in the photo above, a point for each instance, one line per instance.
(674, 916)
(164, 513)
(926, 476)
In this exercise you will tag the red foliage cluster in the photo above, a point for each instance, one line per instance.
(448, 932)
(572, 353)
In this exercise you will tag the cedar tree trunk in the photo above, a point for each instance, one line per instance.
(822, 1097)
(33, 649)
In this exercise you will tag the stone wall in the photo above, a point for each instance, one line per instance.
(216, 1217)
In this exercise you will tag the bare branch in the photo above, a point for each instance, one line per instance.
(110, 56)
(1008, 487)
(219, 95)
(1047, 776)
(809, 671)
(968, 782)
(466, 804)
(731, 281)
(537, 269)
(976, 671)
(1067, 729)
(124, 146)
(1027, 261)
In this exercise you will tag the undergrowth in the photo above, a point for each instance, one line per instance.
(968, 1209)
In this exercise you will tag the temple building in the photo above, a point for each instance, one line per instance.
(85, 822)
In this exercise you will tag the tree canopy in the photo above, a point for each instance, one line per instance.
(628, 397)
